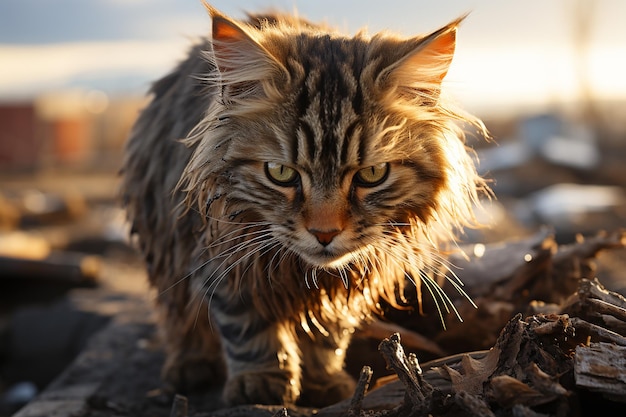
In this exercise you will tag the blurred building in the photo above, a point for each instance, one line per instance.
(68, 130)
(19, 143)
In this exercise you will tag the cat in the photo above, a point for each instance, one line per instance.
(283, 182)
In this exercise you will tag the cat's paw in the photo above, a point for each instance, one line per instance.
(330, 391)
(260, 388)
(187, 373)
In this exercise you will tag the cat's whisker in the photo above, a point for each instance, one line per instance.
(228, 253)
(214, 280)
(314, 276)
(461, 291)
(236, 235)
(456, 282)
(392, 224)
(222, 220)
(433, 295)
(242, 247)
(233, 250)
(446, 271)
(433, 257)
(189, 274)
(344, 277)
(183, 278)
(438, 295)
(275, 244)
(174, 284)
(271, 267)
(286, 252)
(261, 251)
(221, 241)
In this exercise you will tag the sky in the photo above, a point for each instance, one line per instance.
(510, 54)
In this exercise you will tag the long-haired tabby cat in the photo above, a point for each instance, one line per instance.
(319, 173)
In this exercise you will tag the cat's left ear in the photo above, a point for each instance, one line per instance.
(423, 67)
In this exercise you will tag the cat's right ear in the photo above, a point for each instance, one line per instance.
(241, 60)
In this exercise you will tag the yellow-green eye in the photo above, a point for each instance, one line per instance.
(281, 174)
(372, 176)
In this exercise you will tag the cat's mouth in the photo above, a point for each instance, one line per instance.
(328, 259)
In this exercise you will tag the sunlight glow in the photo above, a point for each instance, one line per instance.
(529, 76)
(481, 79)
(31, 69)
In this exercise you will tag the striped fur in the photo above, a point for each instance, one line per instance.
(288, 270)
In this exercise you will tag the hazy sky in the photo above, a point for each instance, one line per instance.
(510, 53)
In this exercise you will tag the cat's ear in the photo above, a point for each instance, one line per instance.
(423, 64)
(242, 61)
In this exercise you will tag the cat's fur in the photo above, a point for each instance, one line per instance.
(275, 276)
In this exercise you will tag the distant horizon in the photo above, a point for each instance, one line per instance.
(509, 55)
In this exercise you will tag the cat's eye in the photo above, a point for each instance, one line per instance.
(372, 176)
(281, 174)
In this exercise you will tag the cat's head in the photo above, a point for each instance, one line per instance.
(340, 146)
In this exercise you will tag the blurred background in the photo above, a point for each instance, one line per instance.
(546, 77)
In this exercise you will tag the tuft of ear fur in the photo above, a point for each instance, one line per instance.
(243, 63)
(421, 70)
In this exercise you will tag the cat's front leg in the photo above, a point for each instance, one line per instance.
(262, 358)
(193, 356)
(324, 380)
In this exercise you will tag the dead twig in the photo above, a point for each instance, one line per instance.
(418, 391)
(179, 407)
(359, 393)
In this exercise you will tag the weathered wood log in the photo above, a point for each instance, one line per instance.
(601, 367)
(68, 267)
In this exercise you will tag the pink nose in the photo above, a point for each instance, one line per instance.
(324, 237)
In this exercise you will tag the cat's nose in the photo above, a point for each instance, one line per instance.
(324, 236)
